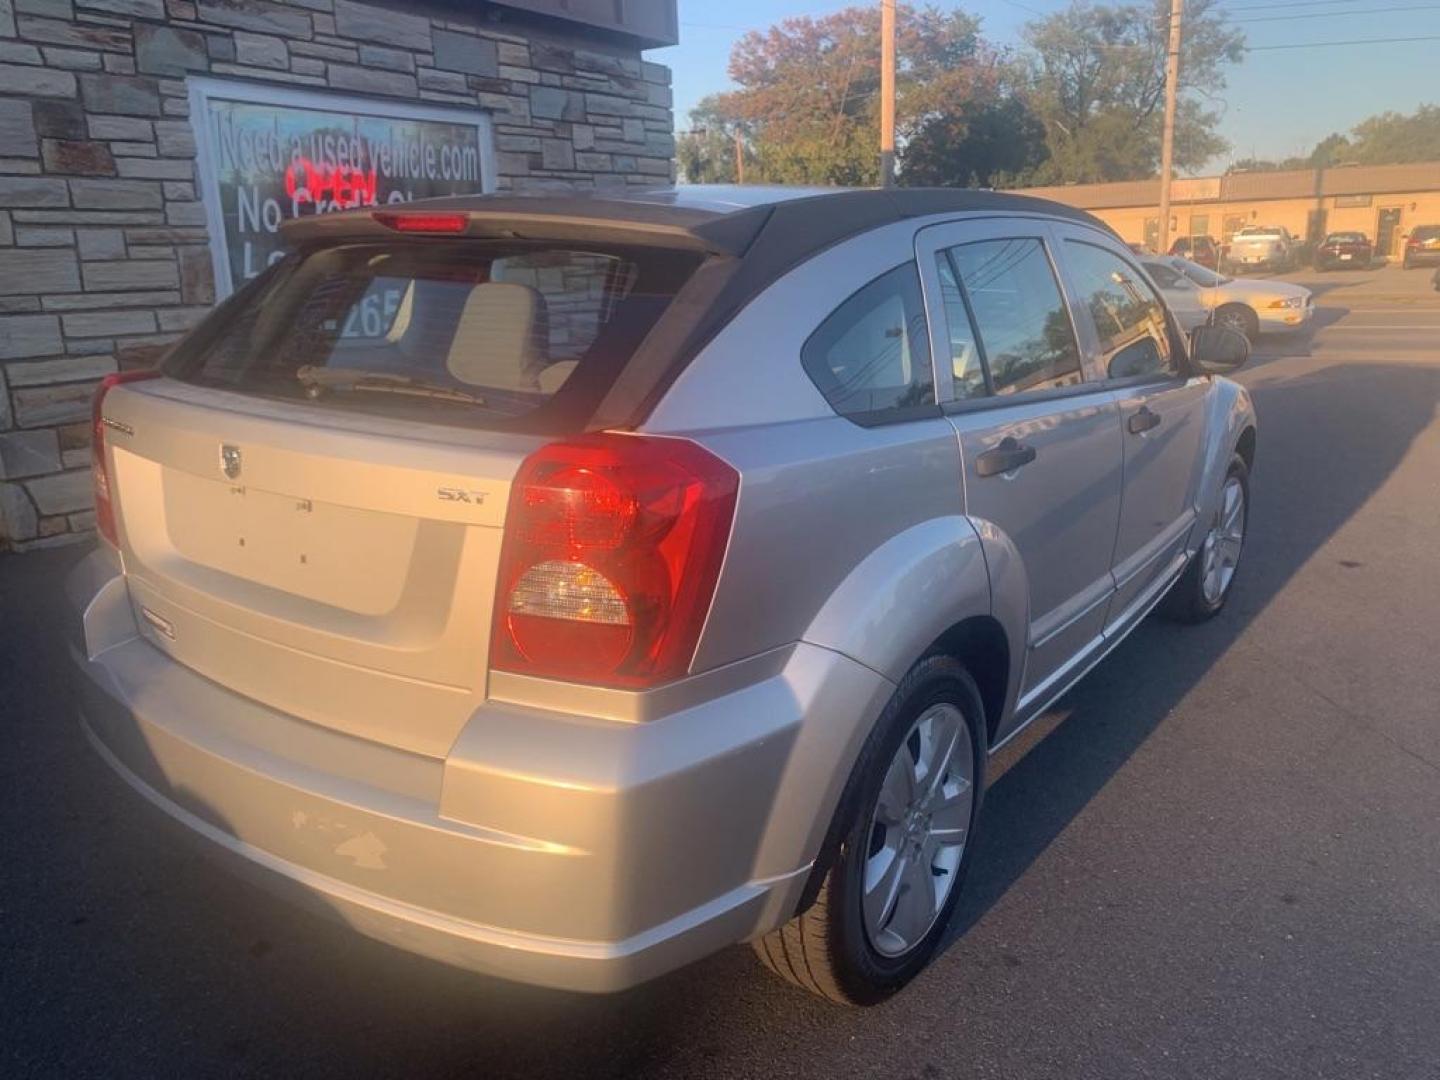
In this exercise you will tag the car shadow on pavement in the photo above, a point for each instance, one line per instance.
(1271, 347)
(1375, 412)
(134, 956)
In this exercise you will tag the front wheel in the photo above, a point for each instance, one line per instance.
(1240, 318)
(908, 819)
(1203, 588)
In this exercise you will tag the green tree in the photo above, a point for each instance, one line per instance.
(1393, 138)
(706, 153)
(1097, 83)
(1331, 150)
(807, 102)
(990, 143)
(1389, 138)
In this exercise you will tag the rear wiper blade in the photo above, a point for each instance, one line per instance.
(317, 380)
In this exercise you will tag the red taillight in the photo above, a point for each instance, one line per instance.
(99, 473)
(612, 549)
(422, 223)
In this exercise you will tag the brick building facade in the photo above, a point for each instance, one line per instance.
(109, 228)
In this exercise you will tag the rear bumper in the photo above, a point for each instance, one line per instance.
(1423, 257)
(1254, 261)
(564, 851)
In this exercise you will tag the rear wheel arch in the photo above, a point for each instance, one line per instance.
(981, 645)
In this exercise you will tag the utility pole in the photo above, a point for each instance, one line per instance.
(1167, 142)
(739, 158)
(887, 93)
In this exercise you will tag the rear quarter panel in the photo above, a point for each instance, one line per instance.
(849, 537)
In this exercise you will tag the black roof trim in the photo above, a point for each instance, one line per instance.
(789, 224)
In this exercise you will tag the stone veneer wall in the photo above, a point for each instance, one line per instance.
(104, 256)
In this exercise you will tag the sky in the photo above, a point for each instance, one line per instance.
(1278, 103)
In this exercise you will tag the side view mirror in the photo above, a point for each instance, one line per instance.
(1216, 350)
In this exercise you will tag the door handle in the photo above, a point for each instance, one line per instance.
(1142, 421)
(1006, 457)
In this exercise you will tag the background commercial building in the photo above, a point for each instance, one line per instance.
(1382, 201)
(150, 149)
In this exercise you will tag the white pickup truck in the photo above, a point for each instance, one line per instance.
(1262, 247)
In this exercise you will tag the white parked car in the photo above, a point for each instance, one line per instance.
(1262, 247)
(1198, 296)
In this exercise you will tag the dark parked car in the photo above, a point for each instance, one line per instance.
(1198, 249)
(1422, 246)
(1345, 250)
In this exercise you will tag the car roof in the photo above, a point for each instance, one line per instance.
(772, 224)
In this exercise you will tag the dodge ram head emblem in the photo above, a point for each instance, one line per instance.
(230, 461)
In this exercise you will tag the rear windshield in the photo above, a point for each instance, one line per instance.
(1426, 232)
(1345, 238)
(1260, 230)
(475, 333)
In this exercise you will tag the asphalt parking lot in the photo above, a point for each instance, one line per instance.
(1218, 857)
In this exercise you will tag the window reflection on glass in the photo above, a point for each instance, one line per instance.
(871, 355)
(964, 356)
(1127, 314)
(1020, 315)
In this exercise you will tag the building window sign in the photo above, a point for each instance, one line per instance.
(268, 154)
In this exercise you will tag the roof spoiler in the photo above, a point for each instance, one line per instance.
(576, 219)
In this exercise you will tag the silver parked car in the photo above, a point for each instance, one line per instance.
(567, 588)
(1252, 307)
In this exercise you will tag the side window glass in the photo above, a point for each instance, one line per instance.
(964, 356)
(1165, 277)
(1020, 315)
(1128, 316)
(871, 357)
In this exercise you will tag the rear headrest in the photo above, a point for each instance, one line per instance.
(502, 337)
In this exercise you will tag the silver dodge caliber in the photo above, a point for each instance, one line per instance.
(570, 587)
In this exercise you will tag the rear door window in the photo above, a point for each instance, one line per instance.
(965, 365)
(466, 332)
(1020, 315)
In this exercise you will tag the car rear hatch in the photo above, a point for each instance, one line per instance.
(310, 505)
(1254, 248)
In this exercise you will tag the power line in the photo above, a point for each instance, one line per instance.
(1289, 4)
(1352, 41)
(1334, 14)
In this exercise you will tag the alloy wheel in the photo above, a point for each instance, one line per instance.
(918, 831)
(1223, 542)
(1234, 320)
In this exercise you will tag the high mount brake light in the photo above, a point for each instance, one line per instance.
(613, 546)
(99, 469)
(408, 222)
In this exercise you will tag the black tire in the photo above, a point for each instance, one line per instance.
(826, 949)
(1246, 321)
(1186, 601)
